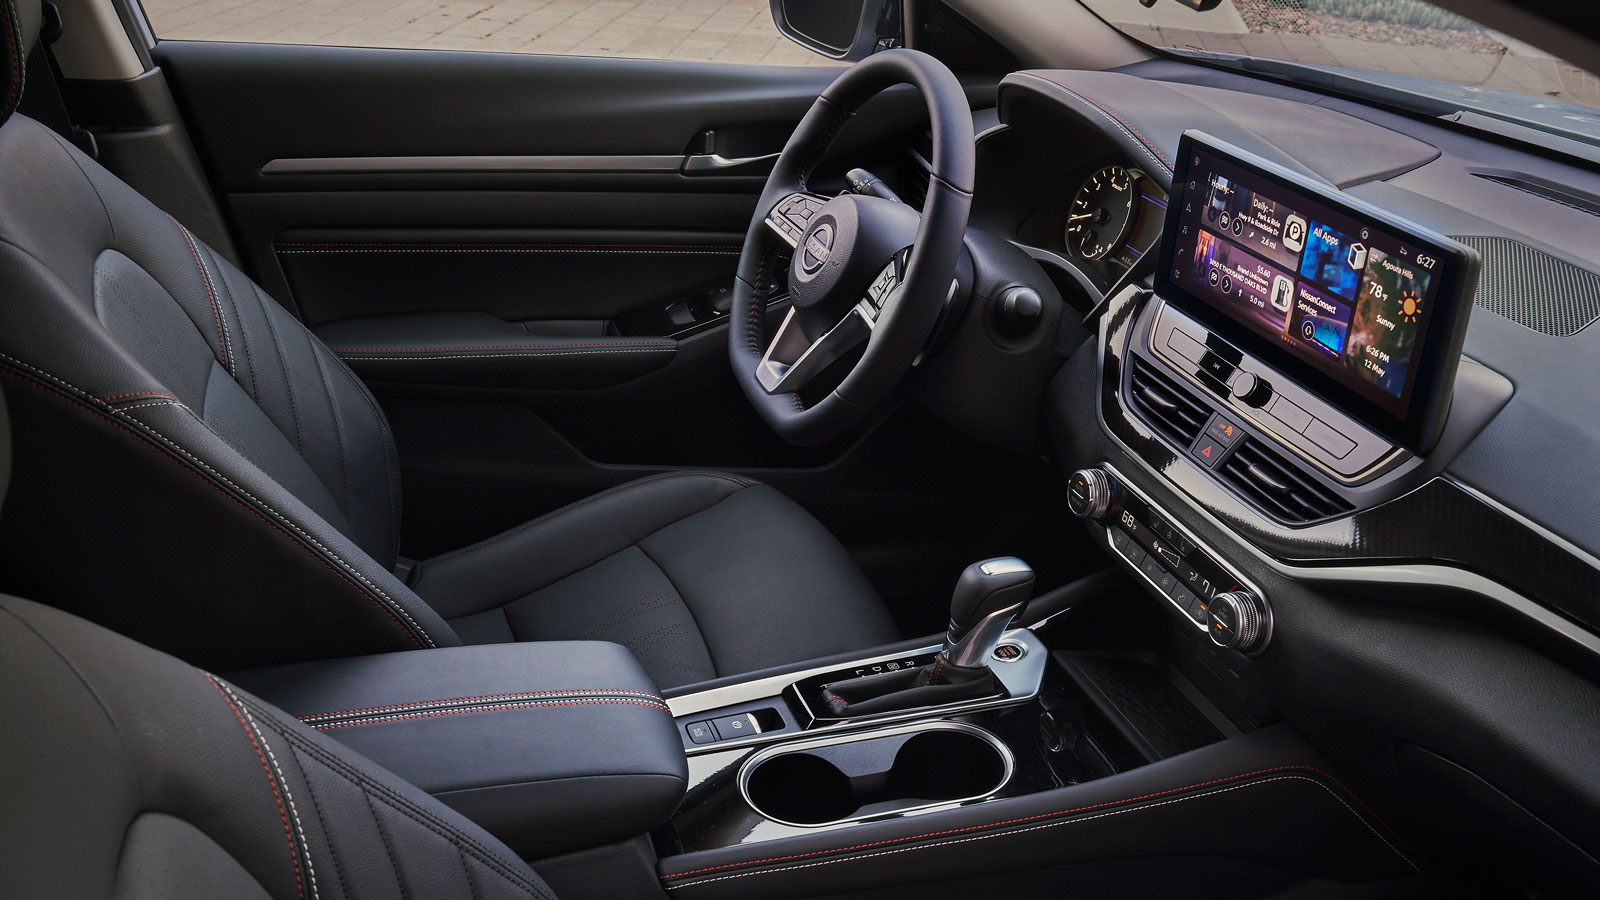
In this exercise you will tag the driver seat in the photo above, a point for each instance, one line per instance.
(182, 437)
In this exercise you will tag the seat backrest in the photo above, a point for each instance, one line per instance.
(178, 433)
(129, 774)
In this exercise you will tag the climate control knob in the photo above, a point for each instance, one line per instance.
(1089, 493)
(1239, 620)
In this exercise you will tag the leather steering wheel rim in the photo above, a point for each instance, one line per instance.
(904, 324)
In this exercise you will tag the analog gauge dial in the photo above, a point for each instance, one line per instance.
(1101, 214)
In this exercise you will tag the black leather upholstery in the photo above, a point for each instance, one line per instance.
(182, 436)
(551, 747)
(699, 574)
(133, 775)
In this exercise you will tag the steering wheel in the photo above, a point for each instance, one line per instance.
(862, 269)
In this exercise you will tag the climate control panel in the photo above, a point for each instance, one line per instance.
(1209, 594)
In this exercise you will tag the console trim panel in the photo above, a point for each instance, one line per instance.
(1023, 679)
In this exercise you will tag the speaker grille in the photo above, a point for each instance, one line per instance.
(1534, 289)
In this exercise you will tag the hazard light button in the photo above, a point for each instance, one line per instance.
(1208, 451)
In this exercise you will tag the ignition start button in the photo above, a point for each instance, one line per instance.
(1009, 652)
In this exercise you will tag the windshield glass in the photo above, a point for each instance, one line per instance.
(1405, 45)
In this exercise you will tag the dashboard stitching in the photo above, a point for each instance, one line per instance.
(1149, 148)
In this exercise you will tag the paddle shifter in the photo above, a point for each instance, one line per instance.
(987, 597)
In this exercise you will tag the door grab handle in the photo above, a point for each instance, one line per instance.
(717, 164)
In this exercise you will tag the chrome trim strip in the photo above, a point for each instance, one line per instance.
(1023, 678)
(444, 165)
(987, 737)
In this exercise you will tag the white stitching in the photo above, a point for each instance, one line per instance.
(151, 403)
(305, 847)
(348, 358)
(436, 704)
(1070, 821)
(389, 602)
(1104, 115)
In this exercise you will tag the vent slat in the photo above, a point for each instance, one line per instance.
(1279, 486)
(1166, 405)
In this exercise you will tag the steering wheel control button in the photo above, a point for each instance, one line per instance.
(1089, 493)
(1239, 620)
(701, 732)
(733, 727)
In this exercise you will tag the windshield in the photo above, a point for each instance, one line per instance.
(1406, 46)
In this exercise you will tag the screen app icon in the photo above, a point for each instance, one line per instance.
(1294, 233)
(1282, 293)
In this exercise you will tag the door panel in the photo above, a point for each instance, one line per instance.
(558, 206)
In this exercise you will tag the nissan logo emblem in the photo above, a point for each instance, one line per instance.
(818, 245)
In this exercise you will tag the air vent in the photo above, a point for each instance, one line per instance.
(1533, 288)
(1167, 405)
(1279, 487)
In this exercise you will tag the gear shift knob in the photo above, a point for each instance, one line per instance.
(987, 597)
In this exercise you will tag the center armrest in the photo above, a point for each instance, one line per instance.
(552, 747)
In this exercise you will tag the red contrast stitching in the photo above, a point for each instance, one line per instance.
(1110, 112)
(1051, 815)
(365, 709)
(640, 344)
(241, 504)
(502, 708)
(15, 61)
(294, 855)
(205, 279)
(469, 244)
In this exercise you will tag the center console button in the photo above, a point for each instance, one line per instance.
(700, 732)
(731, 727)
(1321, 434)
(1208, 451)
(1293, 416)
(1223, 430)
(1216, 367)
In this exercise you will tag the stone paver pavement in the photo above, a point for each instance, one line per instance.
(719, 30)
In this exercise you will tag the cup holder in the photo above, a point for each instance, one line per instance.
(890, 772)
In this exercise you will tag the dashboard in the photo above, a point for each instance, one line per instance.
(1377, 432)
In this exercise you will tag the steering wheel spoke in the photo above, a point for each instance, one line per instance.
(790, 217)
(792, 359)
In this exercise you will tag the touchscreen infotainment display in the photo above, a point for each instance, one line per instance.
(1372, 306)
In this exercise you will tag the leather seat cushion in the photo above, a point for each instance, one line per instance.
(699, 574)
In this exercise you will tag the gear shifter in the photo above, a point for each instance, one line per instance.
(989, 595)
